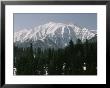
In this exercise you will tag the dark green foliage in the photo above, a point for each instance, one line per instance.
(67, 61)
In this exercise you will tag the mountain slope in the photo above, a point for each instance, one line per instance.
(55, 35)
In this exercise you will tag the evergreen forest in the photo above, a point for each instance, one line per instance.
(78, 58)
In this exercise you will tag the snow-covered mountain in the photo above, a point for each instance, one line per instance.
(55, 35)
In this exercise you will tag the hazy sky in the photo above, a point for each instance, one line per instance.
(30, 20)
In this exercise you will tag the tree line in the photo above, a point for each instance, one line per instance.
(70, 60)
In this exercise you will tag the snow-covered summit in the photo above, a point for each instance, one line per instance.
(58, 33)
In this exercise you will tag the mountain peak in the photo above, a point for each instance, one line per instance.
(51, 22)
(58, 34)
(55, 23)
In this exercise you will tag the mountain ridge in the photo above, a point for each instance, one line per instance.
(52, 34)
